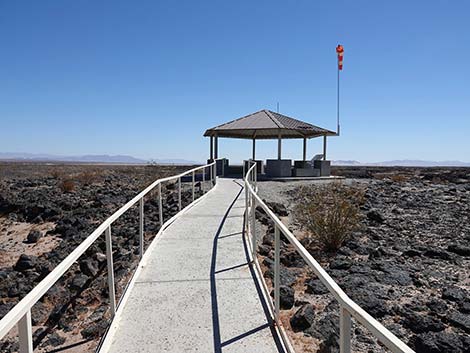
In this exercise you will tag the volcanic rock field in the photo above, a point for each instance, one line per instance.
(42, 221)
(408, 266)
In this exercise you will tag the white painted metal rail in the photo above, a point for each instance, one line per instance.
(348, 307)
(20, 314)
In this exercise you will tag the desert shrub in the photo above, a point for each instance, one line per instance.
(330, 213)
(399, 178)
(67, 185)
(88, 177)
(57, 173)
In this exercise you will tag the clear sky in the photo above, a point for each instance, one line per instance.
(146, 78)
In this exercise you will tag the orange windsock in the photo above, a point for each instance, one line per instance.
(340, 51)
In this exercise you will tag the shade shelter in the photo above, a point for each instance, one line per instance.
(264, 125)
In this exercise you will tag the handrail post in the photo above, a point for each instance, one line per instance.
(193, 185)
(344, 330)
(253, 227)
(203, 179)
(255, 177)
(223, 167)
(247, 214)
(215, 172)
(243, 169)
(109, 259)
(210, 175)
(141, 227)
(277, 271)
(179, 193)
(160, 204)
(25, 333)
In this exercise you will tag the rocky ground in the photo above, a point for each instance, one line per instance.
(45, 212)
(408, 266)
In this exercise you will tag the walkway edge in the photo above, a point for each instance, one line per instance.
(105, 344)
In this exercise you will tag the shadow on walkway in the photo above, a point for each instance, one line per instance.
(218, 344)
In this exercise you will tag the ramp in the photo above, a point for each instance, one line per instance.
(197, 291)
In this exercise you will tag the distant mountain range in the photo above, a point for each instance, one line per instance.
(404, 163)
(116, 159)
(124, 159)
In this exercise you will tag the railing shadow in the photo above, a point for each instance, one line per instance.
(218, 344)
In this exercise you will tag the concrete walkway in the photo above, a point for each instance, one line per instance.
(197, 293)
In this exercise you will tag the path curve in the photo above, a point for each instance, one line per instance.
(197, 291)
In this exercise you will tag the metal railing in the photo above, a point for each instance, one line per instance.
(21, 313)
(348, 307)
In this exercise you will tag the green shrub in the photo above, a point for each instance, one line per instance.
(330, 213)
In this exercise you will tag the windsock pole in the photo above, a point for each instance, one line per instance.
(339, 52)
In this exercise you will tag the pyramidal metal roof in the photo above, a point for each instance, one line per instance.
(266, 124)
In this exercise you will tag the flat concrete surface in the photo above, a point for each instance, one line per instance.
(197, 293)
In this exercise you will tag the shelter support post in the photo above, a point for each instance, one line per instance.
(216, 147)
(279, 147)
(324, 147)
(212, 148)
(305, 149)
(254, 150)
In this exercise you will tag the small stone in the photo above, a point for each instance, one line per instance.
(460, 320)
(454, 294)
(303, 318)
(34, 236)
(25, 262)
(437, 342)
(286, 297)
(55, 340)
(375, 216)
(79, 281)
(459, 249)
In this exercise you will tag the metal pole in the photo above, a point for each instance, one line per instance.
(344, 331)
(203, 178)
(109, 259)
(324, 147)
(216, 147)
(160, 204)
(253, 227)
(210, 175)
(193, 185)
(305, 149)
(223, 167)
(25, 333)
(337, 107)
(179, 193)
(254, 149)
(247, 214)
(276, 273)
(255, 177)
(141, 227)
(279, 147)
(214, 167)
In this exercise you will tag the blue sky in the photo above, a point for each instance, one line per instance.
(146, 78)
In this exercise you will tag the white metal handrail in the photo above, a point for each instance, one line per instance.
(348, 307)
(21, 313)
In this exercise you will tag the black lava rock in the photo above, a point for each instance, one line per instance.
(459, 249)
(25, 262)
(375, 216)
(302, 318)
(79, 281)
(454, 294)
(437, 342)
(34, 236)
(286, 297)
